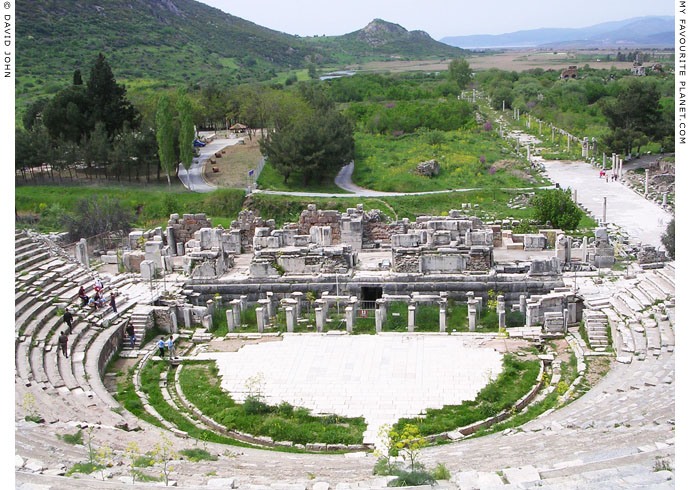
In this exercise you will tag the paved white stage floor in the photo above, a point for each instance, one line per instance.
(379, 377)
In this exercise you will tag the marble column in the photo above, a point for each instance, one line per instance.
(349, 318)
(410, 318)
(379, 320)
(290, 318)
(472, 314)
(442, 319)
(319, 319)
(230, 319)
(260, 319)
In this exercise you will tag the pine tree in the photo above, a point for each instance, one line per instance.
(108, 99)
(76, 78)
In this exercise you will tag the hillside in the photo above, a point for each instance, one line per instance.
(639, 31)
(153, 43)
(381, 39)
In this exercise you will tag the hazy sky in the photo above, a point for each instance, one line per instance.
(438, 17)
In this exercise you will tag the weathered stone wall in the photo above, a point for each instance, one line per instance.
(247, 222)
(318, 217)
(405, 260)
(650, 255)
(481, 258)
(185, 227)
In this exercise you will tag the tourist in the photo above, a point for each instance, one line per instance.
(67, 318)
(161, 347)
(171, 348)
(62, 342)
(98, 285)
(112, 302)
(132, 336)
(83, 296)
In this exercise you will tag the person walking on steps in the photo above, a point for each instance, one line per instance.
(62, 342)
(131, 335)
(161, 347)
(67, 318)
(171, 348)
(112, 302)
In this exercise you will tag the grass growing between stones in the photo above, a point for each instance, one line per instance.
(201, 385)
(515, 381)
(129, 399)
(150, 377)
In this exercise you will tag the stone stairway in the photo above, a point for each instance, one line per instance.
(595, 325)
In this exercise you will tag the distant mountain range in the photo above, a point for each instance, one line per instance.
(185, 41)
(651, 31)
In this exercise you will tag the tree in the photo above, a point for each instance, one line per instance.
(668, 239)
(76, 78)
(95, 148)
(165, 135)
(315, 145)
(108, 99)
(93, 216)
(33, 112)
(67, 115)
(459, 72)
(557, 207)
(635, 112)
(312, 71)
(186, 138)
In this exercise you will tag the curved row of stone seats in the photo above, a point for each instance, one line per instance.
(23, 347)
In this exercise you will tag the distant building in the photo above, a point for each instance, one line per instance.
(571, 72)
(638, 70)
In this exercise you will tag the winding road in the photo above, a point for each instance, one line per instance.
(344, 181)
(194, 178)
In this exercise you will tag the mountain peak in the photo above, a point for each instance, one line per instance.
(382, 26)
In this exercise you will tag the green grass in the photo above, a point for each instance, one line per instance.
(515, 381)
(76, 438)
(150, 377)
(129, 399)
(152, 205)
(86, 468)
(271, 179)
(386, 163)
(201, 386)
(197, 454)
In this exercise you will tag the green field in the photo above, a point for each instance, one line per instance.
(386, 163)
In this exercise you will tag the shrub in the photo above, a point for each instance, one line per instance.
(440, 472)
(196, 454)
(411, 479)
(557, 207)
(72, 438)
(254, 406)
(93, 216)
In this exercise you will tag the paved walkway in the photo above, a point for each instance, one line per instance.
(642, 219)
(194, 179)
